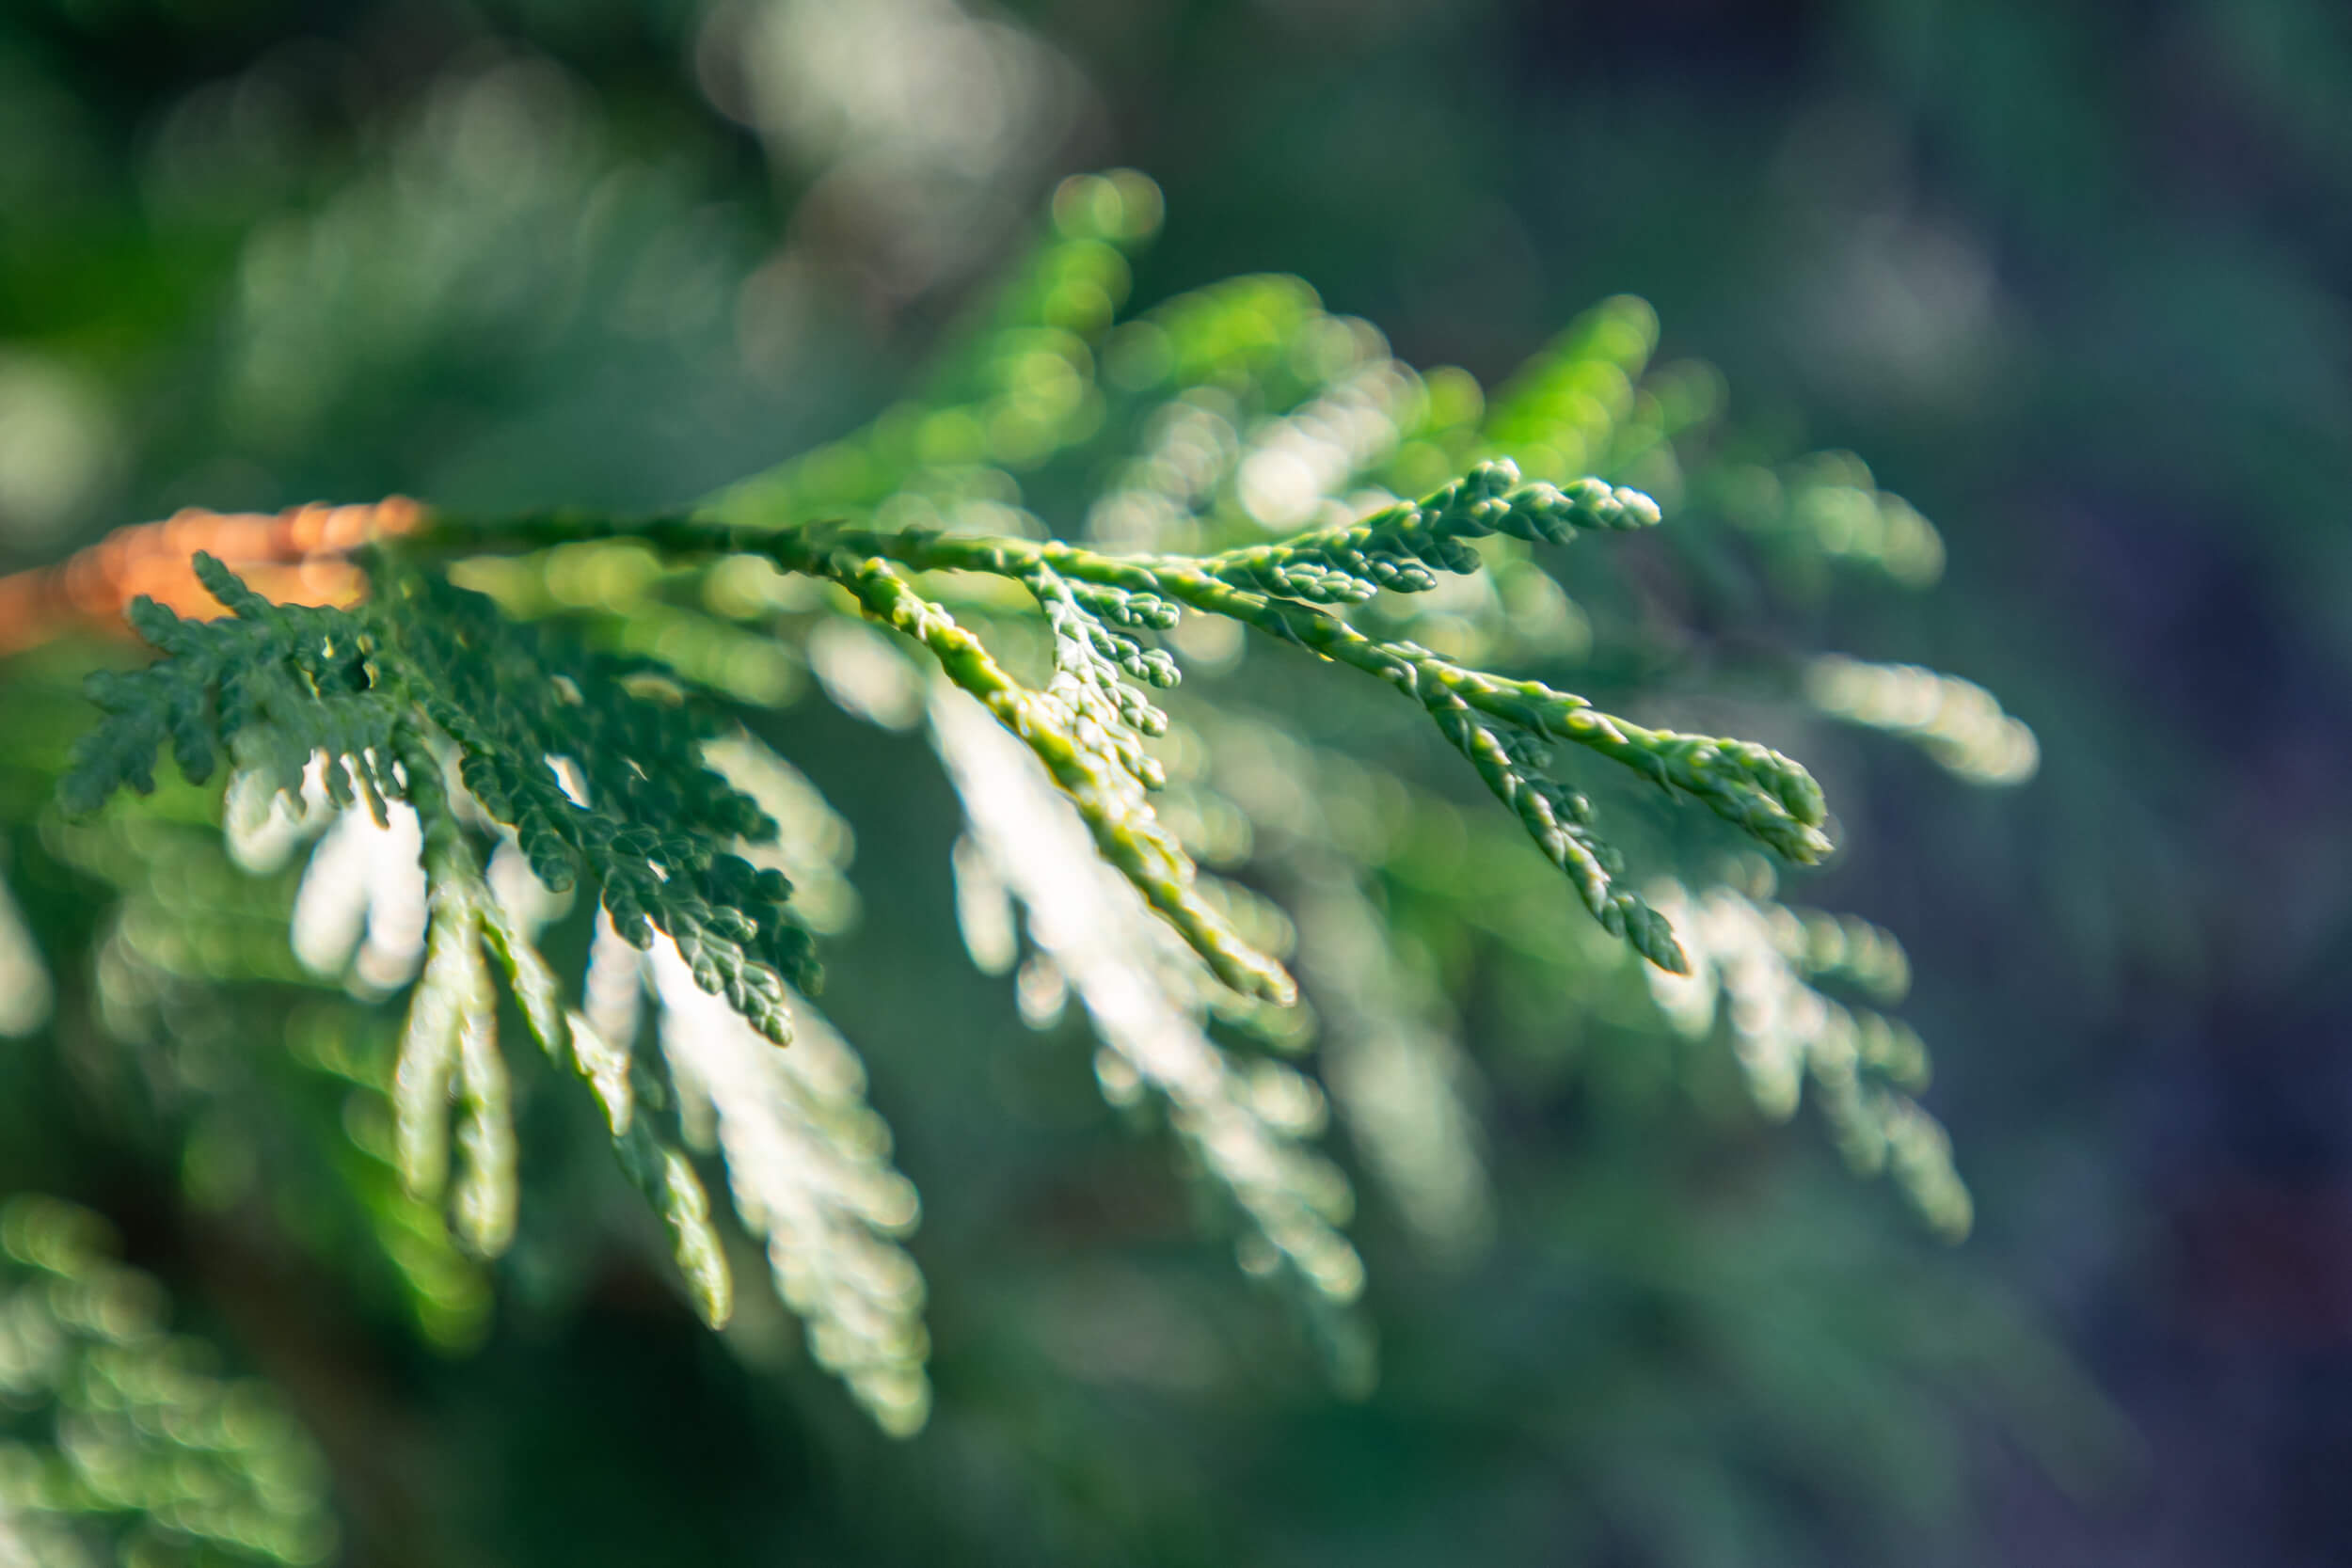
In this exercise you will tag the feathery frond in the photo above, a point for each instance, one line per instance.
(1758, 962)
(467, 756)
(808, 1167)
(1149, 1001)
(1957, 723)
(593, 772)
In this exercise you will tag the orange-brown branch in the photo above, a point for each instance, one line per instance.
(295, 557)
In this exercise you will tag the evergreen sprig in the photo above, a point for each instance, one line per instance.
(1404, 546)
(1086, 726)
(591, 760)
(1760, 965)
(1252, 408)
(273, 684)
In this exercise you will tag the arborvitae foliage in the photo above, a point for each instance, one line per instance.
(499, 708)
(559, 747)
(122, 1436)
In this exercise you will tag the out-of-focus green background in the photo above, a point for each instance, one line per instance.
(2073, 277)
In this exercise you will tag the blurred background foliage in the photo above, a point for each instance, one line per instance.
(2069, 277)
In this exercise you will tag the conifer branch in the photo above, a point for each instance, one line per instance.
(1088, 734)
(1109, 796)
(451, 725)
(1757, 961)
(1249, 1133)
(639, 812)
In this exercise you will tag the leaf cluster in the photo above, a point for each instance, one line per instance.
(588, 759)
(432, 699)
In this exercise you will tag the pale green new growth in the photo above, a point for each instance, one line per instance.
(808, 1167)
(1403, 547)
(1957, 722)
(1089, 724)
(1760, 965)
(1248, 1129)
(26, 990)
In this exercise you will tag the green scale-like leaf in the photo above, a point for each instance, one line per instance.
(653, 823)
(274, 684)
(650, 825)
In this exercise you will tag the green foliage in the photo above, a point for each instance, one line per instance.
(1086, 726)
(424, 666)
(612, 254)
(1763, 974)
(1402, 548)
(527, 698)
(1246, 1125)
(275, 682)
(122, 1438)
